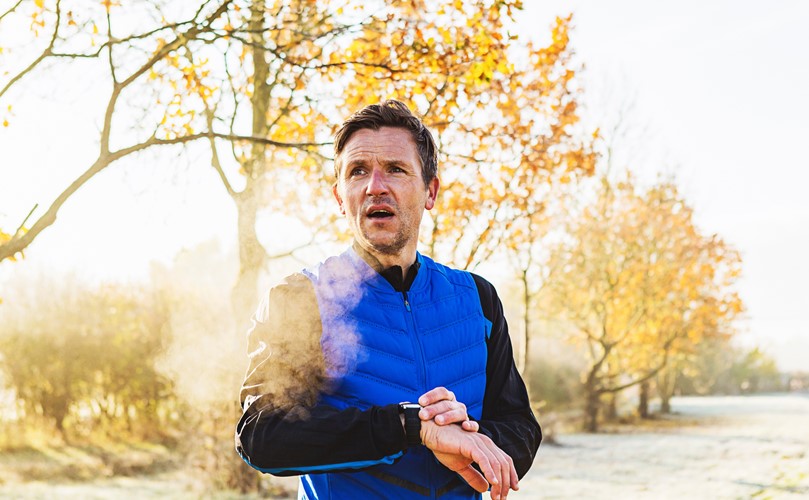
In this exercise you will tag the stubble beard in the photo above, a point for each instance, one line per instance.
(400, 238)
(394, 247)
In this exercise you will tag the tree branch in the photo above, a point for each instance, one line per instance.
(215, 163)
(22, 224)
(12, 9)
(109, 49)
(181, 39)
(20, 241)
(44, 55)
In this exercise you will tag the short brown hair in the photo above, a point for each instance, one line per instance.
(391, 113)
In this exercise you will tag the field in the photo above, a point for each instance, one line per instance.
(712, 447)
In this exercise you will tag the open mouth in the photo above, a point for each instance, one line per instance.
(380, 214)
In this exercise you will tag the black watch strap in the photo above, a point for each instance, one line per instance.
(412, 422)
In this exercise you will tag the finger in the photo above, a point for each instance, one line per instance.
(431, 411)
(455, 416)
(481, 456)
(502, 466)
(474, 479)
(515, 479)
(505, 475)
(502, 485)
(436, 395)
(452, 417)
(509, 473)
(445, 412)
(488, 463)
(470, 425)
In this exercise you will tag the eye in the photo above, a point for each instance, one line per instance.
(395, 169)
(356, 171)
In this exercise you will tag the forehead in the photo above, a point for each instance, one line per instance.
(384, 145)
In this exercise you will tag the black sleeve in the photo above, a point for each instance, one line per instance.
(283, 429)
(507, 417)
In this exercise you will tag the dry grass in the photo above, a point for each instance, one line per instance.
(84, 462)
(114, 470)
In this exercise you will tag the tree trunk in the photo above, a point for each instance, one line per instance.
(592, 402)
(643, 400)
(591, 411)
(252, 255)
(59, 421)
(665, 403)
(522, 361)
(665, 387)
(612, 406)
(252, 258)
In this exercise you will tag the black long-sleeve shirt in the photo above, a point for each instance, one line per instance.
(283, 427)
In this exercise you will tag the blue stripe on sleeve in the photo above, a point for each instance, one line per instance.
(328, 467)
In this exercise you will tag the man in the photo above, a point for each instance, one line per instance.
(340, 354)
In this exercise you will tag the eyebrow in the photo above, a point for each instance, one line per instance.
(362, 162)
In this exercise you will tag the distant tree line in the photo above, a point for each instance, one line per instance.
(87, 358)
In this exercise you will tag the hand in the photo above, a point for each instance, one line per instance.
(457, 450)
(440, 405)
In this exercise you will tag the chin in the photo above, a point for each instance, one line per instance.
(386, 246)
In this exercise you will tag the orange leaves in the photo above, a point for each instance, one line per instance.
(6, 237)
(187, 90)
(290, 70)
(38, 17)
(108, 4)
(502, 117)
(7, 115)
(652, 282)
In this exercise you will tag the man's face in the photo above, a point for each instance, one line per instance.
(381, 191)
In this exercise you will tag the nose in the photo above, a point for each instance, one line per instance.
(377, 184)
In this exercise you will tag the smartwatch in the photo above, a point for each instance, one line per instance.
(412, 422)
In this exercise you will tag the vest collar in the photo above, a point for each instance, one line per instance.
(366, 262)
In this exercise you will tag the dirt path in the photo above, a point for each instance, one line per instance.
(743, 447)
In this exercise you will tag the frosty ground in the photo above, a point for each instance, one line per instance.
(726, 447)
(711, 448)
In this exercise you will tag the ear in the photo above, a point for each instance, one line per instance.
(432, 193)
(337, 197)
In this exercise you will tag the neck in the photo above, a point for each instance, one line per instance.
(379, 261)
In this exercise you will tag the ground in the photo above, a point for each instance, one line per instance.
(712, 448)
(728, 447)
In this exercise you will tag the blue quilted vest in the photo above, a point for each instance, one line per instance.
(383, 347)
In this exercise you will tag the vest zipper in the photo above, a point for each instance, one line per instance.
(417, 347)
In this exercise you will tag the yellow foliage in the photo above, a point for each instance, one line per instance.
(108, 4)
(504, 113)
(640, 282)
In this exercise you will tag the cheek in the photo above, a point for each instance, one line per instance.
(351, 204)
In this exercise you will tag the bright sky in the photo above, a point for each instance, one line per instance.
(723, 86)
(720, 85)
